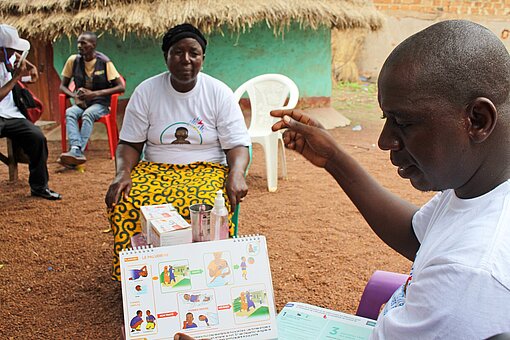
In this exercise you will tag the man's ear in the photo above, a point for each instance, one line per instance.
(482, 116)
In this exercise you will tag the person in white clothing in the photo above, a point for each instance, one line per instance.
(191, 135)
(13, 123)
(444, 93)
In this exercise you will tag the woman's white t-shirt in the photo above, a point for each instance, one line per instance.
(182, 128)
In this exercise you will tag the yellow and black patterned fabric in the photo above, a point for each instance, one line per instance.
(159, 183)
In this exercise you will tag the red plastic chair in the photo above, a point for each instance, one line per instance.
(380, 287)
(110, 119)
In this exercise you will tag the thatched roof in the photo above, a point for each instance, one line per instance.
(50, 19)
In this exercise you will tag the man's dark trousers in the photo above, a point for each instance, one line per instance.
(31, 139)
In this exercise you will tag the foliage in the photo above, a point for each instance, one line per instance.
(356, 101)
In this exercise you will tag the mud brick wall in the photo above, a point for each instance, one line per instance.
(456, 8)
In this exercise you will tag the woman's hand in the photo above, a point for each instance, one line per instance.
(182, 336)
(120, 184)
(127, 157)
(306, 136)
(236, 188)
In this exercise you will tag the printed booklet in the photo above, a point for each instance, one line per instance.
(300, 321)
(209, 290)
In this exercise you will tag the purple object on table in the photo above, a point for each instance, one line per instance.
(378, 290)
(138, 240)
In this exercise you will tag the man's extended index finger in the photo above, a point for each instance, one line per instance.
(278, 113)
(278, 126)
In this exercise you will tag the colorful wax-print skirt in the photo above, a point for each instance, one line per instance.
(159, 183)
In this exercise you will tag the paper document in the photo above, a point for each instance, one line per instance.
(215, 290)
(300, 321)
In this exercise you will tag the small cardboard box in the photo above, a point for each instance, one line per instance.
(170, 231)
(153, 212)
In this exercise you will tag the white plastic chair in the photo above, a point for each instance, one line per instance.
(268, 92)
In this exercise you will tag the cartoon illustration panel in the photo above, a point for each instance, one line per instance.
(138, 280)
(218, 269)
(198, 309)
(248, 264)
(137, 273)
(253, 248)
(250, 303)
(174, 275)
(142, 320)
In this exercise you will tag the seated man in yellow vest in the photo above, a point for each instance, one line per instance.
(96, 79)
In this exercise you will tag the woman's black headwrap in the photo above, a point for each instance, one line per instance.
(182, 31)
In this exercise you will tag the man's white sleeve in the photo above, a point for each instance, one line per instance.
(447, 301)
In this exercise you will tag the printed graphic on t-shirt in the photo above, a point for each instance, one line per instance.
(181, 136)
(398, 299)
(183, 132)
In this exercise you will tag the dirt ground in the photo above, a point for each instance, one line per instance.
(55, 256)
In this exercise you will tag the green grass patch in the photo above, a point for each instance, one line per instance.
(356, 101)
(261, 311)
(183, 283)
(366, 87)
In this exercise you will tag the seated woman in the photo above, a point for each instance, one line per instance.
(193, 137)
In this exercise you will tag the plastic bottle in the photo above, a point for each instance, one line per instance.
(219, 217)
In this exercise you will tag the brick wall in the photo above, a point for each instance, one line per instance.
(494, 8)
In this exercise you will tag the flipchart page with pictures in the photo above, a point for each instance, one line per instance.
(209, 290)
